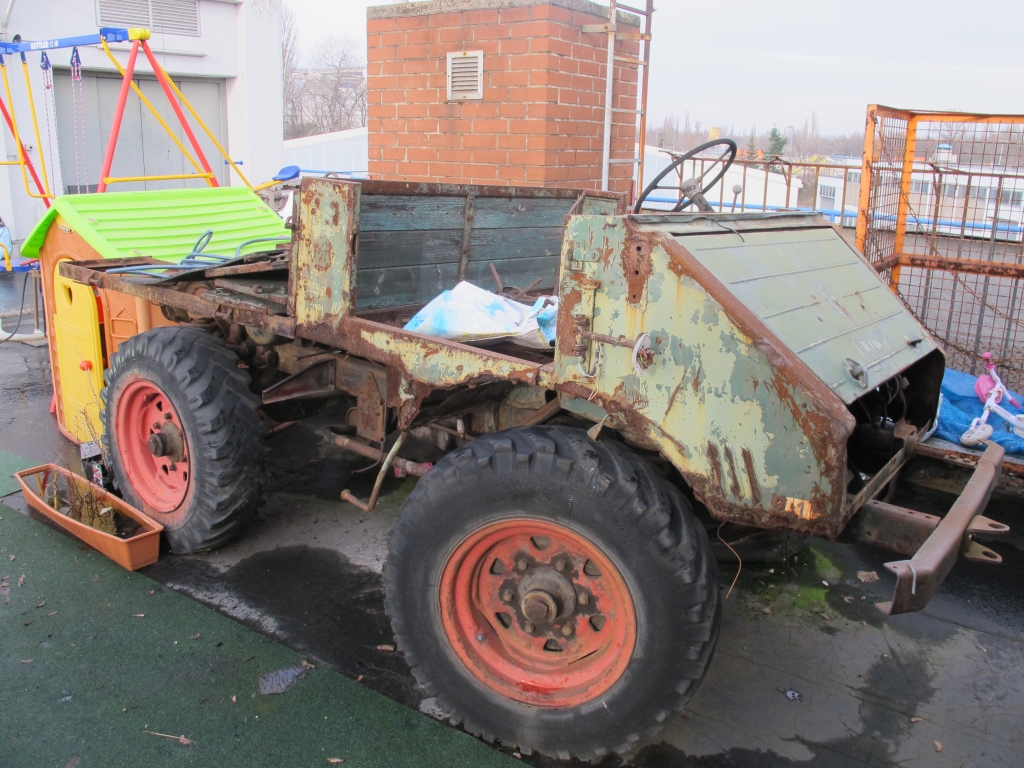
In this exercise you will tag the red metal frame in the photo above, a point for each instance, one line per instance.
(161, 76)
(115, 128)
(122, 100)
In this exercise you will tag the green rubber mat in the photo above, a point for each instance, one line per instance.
(9, 464)
(93, 656)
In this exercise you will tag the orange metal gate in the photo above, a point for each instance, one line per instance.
(941, 217)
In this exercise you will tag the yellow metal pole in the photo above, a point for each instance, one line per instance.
(167, 177)
(17, 136)
(864, 193)
(7, 258)
(152, 109)
(207, 130)
(35, 125)
(903, 206)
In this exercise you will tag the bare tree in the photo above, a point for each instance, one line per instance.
(329, 95)
(800, 144)
(334, 88)
(290, 69)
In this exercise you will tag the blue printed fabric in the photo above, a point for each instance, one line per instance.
(470, 314)
(960, 406)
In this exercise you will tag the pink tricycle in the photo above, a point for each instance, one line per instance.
(990, 390)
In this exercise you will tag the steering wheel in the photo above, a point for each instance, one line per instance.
(693, 190)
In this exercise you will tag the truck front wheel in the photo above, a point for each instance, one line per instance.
(552, 592)
(183, 436)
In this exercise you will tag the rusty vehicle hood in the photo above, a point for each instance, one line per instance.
(763, 330)
(817, 295)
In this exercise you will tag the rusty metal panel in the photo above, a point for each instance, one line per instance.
(321, 288)
(758, 437)
(814, 292)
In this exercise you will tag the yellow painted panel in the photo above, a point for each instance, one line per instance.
(77, 329)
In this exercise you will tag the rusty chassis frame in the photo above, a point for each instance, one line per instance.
(386, 367)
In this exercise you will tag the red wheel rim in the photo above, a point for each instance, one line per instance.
(146, 419)
(583, 628)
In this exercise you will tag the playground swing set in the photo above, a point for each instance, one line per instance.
(85, 325)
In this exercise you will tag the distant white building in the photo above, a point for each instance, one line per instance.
(968, 199)
(342, 152)
(839, 188)
(225, 56)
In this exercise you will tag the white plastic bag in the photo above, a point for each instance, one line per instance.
(470, 314)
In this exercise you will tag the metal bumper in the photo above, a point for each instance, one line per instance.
(935, 543)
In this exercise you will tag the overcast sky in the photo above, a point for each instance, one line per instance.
(773, 62)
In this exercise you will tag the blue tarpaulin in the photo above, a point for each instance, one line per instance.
(960, 406)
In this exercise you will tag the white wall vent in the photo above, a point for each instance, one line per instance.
(124, 13)
(465, 75)
(175, 17)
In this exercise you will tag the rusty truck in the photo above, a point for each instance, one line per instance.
(547, 579)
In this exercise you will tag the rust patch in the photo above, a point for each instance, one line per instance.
(369, 416)
(566, 306)
(826, 424)
(636, 266)
(755, 487)
(696, 380)
(674, 395)
(734, 480)
(716, 467)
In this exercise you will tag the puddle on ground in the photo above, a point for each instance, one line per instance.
(313, 600)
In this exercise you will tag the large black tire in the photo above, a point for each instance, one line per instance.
(220, 424)
(603, 493)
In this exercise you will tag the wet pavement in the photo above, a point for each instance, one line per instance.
(944, 687)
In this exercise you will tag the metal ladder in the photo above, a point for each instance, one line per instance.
(645, 38)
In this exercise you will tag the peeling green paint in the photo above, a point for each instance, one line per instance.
(711, 400)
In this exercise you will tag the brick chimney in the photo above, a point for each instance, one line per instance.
(539, 116)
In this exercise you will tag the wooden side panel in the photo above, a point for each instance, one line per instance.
(410, 246)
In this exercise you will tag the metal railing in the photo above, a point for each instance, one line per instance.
(941, 216)
(774, 184)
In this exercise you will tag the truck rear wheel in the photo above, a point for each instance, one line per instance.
(183, 436)
(552, 592)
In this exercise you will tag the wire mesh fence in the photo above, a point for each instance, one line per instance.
(942, 219)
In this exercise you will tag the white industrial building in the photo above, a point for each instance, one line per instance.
(344, 153)
(225, 56)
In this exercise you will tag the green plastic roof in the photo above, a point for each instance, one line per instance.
(163, 224)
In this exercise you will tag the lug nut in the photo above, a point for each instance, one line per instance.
(584, 599)
(566, 630)
(522, 565)
(507, 595)
(560, 565)
(156, 425)
(528, 627)
(167, 416)
(480, 637)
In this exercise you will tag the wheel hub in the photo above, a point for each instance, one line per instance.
(167, 442)
(546, 596)
(152, 445)
(537, 613)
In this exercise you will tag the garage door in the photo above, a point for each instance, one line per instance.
(143, 146)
